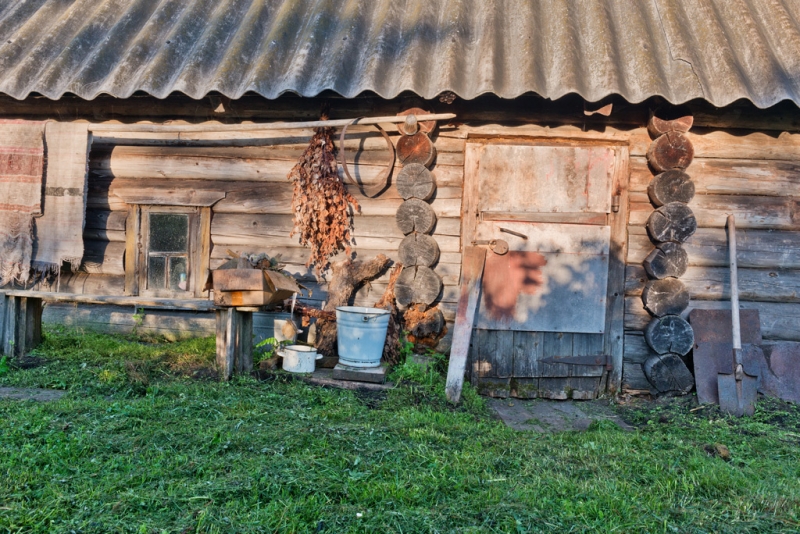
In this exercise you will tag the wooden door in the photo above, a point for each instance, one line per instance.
(549, 323)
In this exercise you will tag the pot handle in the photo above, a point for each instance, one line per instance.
(368, 318)
(319, 356)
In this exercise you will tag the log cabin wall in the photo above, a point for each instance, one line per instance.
(747, 162)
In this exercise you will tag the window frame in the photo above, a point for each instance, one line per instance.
(137, 249)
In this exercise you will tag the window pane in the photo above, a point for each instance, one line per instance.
(156, 272)
(178, 277)
(169, 232)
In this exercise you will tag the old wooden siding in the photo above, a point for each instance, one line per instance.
(256, 216)
(756, 177)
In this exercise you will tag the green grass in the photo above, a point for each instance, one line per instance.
(145, 441)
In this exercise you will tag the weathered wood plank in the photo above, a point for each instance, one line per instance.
(636, 348)
(633, 378)
(709, 247)
(713, 283)
(779, 321)
(712, 211)
(114, 300)
(528, 350)
(731, 176)
(615, 302)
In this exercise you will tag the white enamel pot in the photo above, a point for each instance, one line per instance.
(299, 358)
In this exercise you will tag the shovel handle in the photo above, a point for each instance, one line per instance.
(737, 330)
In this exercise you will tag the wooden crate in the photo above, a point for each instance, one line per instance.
(252, 287)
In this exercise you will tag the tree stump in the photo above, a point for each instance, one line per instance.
(668, 373)
(666, 260)
(673, 150)
(665, 297)
(670, 334)
(415, 215)
(346, 277)
(417, 285)
(415, 181)
(672, 222)
(418, 249)
(671, 186)
(417, 148)
(425, 327)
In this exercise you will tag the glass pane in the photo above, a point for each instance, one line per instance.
(169, 232)
(178, 276)
(156, 272)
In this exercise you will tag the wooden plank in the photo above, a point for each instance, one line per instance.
(554, 381)
(633, 378)
(99, 234)
(138, 302)
(132, 251)
(615, 300)
(504, 354)
(708, 247)
(203, 259)
(10, 330)
(554, 218)
(33, 323)
(779, 321)
(712, 211)
(713, 283)
(263, 225)
(221, 316)
(84, 283)
(245, 342)
(731, 176)
(469, 291)
(167, 195)
(636, 348)
(528, 350)
(3, 305)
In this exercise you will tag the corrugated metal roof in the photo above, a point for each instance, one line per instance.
(719, 50)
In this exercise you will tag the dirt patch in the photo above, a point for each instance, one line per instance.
(34, 394)
(554, 416)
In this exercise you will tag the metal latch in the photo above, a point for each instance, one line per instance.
(615, 203)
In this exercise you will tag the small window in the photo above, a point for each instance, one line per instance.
(169, 256)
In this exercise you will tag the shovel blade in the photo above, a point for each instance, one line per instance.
(737, 397)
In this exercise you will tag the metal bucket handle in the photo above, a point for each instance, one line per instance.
(367, 318)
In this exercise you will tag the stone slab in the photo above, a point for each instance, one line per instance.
(373, 375)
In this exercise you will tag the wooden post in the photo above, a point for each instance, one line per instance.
(231, 324)
(246, 341)
(222, 319)
(12, 312)
(21, 325)
(33, 323)
(469, 291)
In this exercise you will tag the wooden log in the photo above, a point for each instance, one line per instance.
(673, 150)
(425, 326)
(708, 247)
(666, 260)
(671, 186)
(418, 249)
(659, 125)
(670, 334)
(415, 215)
(417, 285)
(672, 222)
(731, 177)
(417, 148)
(713, 283)
(106, 220)
(102, 257)
(415, 181)
(668, 374)
(665, 297)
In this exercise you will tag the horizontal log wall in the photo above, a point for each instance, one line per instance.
(255, 215)
(756, 177)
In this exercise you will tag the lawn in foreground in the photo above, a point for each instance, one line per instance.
(146, 442)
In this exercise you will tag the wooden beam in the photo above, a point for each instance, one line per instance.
(137, 302)
(470, 289)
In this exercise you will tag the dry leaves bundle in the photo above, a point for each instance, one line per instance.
(320, 202)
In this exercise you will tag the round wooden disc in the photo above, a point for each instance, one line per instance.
(668, 373)
(673, 150)
(417, 148)
(665, 297)
(671, 333)
(671, 186)
(667, 259)
(417, 285)
(424, 126)
(415, 181)
(672, 222)
(418, 249)
(415, 215)
(659, 126)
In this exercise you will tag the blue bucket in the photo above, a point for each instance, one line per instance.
(362, 335)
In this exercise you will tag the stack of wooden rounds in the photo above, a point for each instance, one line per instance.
(418, 283)
(669, 335)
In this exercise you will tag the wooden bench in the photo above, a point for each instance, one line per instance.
(21, 323)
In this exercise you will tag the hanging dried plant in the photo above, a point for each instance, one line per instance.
(320, 202)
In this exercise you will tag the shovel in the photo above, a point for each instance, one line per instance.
(737, 391)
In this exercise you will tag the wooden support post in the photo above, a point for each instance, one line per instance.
(234, 342)
(21, 324)
(222, 320)
(32, 332)
(246, 341)
(470, 290)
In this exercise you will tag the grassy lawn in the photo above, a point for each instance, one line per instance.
(146, 441)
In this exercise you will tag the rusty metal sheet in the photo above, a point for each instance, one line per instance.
(713, 347)
(779, 371)
(545, 179)
(553, 281)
